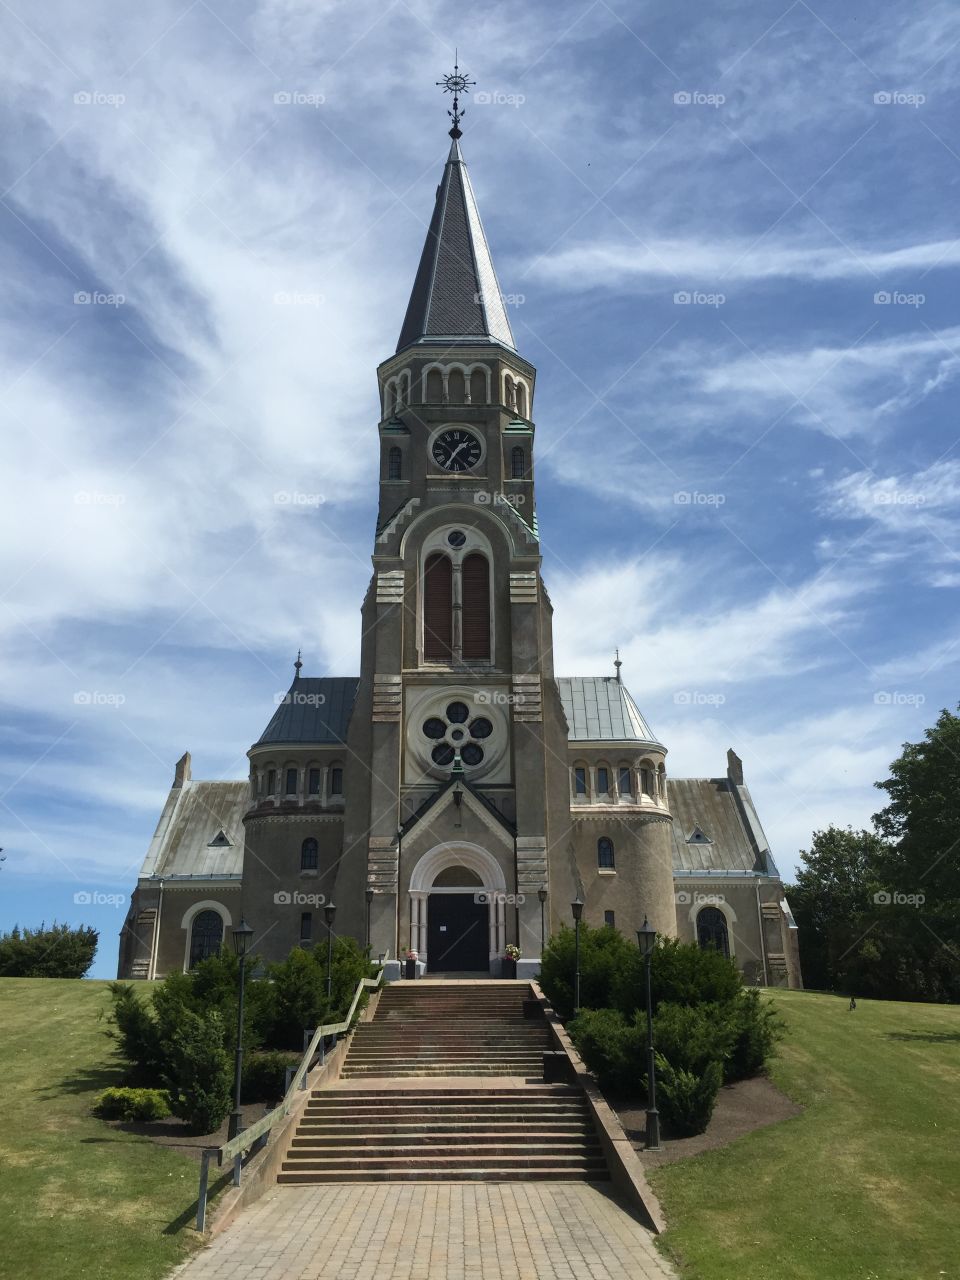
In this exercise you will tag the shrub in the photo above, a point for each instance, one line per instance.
(57, 952)
(611, 1047)
(755, 1031)
(299, 989)
(692, 1036)
(137, 1035)
(685, 1099)
(200, 1071)
(264, 1075)
(604, 955)
(133, 1104)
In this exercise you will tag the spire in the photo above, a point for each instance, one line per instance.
(456, 296)
(617, 664)
(297, 666)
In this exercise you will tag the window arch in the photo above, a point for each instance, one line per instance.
(605, 853)
(712, 931)
(521, 400)
(395, 463)
(625, 780)
(206, 936)
(475, 582)
(603, 780)
(438, 606)
(336, 780)
(309, 855)
(518, 463)
(478, 387)
(647, 784)
(434, 387)
(580, 780)
(456, 387)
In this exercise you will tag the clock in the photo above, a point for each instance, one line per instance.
(456, 449)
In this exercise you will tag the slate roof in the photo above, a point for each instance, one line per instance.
(184, 841)
(455, 293)
(725, 814)
(314, 709)
(600, 709)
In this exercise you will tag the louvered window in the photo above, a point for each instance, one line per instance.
(438, 607)
(475, 578)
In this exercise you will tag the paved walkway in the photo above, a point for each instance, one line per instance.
(433, 1231)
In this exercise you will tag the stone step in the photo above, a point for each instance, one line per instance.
(569, 1173)
(414, 1158)
(471, 1152)
(333, 1136)
(382, 1073)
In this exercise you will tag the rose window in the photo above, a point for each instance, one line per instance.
(456, 731)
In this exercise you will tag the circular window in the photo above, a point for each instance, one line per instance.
(457, 538)
(458, 730)
(434, 727)
(472, 754)
(481, 728)
(443, 754)
(458, 735)
(458, 712)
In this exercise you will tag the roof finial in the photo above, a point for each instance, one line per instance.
(297, 666)
(617, 665)
(456, 83)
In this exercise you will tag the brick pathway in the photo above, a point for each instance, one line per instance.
(433, 1231)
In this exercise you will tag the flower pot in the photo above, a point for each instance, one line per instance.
(410, 968)
(508, 967)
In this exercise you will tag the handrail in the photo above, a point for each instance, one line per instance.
(234, 1149)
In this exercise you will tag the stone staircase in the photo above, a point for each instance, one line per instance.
(449, 1029)
(462, 1106)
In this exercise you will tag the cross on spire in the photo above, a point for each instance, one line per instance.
(456, 83)
(297, 666)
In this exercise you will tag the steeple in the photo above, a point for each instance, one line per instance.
(456, 296)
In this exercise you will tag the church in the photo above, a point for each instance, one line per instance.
(457, 796)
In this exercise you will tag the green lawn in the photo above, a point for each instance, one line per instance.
(864, 1185)
(77, 1197)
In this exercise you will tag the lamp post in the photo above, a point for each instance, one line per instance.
(369, 896)
(542, 895)
(647, 940)
(329, 912)
(577, 908)
(241, 943)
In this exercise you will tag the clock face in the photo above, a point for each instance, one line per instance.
(456, 449)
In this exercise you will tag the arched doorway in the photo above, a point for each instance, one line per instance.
(457, 909)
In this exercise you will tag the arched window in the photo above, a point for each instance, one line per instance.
(336, 781)
(518, 464)
(434, 387)
(395, 463)
(313, 782)
(579, 781)
(475, 579)
(290, 782)
(438, 607)
(206, 936)
(712, 931)
(625, 780)
(309, 855)
(646, 780)
(478, 387)
(605, 853)
(456, 387)
(603, 780)
(521, 400)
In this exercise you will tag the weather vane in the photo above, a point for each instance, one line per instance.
(457, 83)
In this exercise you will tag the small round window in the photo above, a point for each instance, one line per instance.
(458, 712)
(457, 538)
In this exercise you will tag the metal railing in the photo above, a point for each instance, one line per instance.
(259, 1131)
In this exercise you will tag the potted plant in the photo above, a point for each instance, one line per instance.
(511, 954)
(410, 967)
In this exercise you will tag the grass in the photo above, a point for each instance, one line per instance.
(77, 1197)
(864, 1185)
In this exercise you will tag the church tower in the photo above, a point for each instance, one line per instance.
(466, 732)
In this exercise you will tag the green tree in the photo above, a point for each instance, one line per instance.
(57, 952)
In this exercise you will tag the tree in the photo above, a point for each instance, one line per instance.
(57, 952)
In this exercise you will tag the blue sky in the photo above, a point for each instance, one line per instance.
(753, 492)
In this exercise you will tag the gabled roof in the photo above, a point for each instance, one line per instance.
(186, 840)
(600, 709)
(724, 813)
(436, 796)
(314, 709)
(455, 295)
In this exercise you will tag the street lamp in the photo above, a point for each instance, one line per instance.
(647, 940)
(241, 944)
(577, 908)
(329, 912)
(542, 895)
(369, 896)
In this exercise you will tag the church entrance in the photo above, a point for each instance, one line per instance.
(457, 933)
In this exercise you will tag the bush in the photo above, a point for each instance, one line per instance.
(685, 1099)
(133, 1104)
(137, 1035)
(611, 1047)
(692, 1036)
(755, 1031)
(200, 1071)
(57, 952)
(264, 1075)
(299, 990)
(604, 955)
